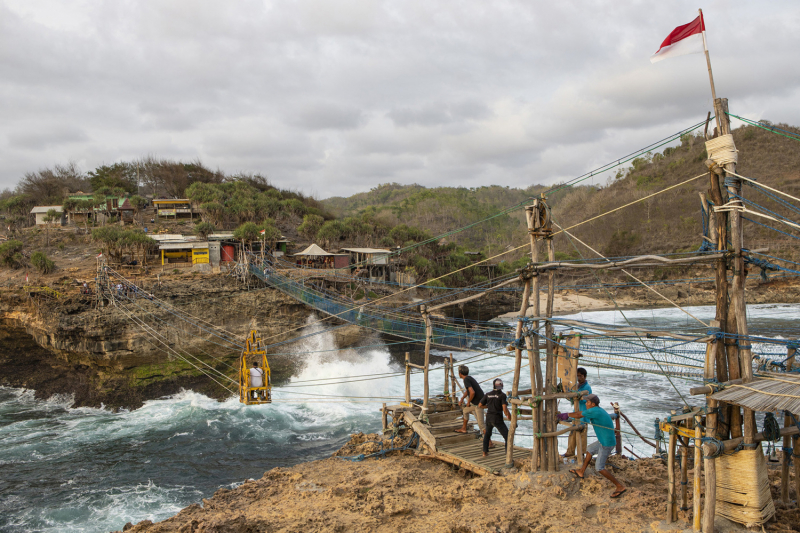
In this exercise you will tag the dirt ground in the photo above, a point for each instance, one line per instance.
(401, 492)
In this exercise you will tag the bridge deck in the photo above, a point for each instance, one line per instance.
(464, 450)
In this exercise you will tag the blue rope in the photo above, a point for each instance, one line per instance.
(770, 227)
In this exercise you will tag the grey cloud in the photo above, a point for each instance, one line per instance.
(335, 97)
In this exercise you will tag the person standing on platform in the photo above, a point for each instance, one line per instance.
(497, 406)
(470, 400)
(583, 385)
(257, 380)
(603, 447)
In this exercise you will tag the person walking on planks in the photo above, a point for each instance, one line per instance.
(583, 385)
(472, 394)
(606, 441)
(497, 404)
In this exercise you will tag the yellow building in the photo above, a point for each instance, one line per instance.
(175, 208)
(184, 254)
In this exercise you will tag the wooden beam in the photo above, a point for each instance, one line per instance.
(474, 296)
(426, 436)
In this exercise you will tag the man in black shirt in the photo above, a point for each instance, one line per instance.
(497, 404)
(470, 400)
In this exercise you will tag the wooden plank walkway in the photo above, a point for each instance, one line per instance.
(464, 450)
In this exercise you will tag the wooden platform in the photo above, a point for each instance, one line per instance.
(464, 450)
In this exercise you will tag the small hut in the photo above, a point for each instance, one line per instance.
(314, 257)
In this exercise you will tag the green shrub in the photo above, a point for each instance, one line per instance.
(41, 263)
(11, 254)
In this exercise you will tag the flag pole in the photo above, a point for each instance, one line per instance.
(708, 62)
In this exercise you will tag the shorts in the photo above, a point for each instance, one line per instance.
(477, 412)
(602, 454)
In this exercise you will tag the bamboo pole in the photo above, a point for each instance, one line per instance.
(796, 457)
(709, 513)
(550, 405)
(526, 294)
(446, 388)
(698, 462)
(453, 379)
(532, 343)
(579, 434)
(738, 300)
(672, 513)
(787, 441)
(428, 335)
(684, 478)
(408, 378)
(510, 442)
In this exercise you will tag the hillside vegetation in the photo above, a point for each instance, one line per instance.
(668, 222)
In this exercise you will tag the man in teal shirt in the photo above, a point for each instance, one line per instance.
(606, 441)
(583, 385)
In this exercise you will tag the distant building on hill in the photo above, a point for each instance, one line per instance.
(40, 212)
(174, 208)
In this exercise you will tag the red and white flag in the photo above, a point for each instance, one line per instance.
(263, 231)
(686, 39)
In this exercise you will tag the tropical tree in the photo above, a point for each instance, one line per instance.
(310, 226)
(137, 203)
(247, 233)
(51, 216)
(42, 263)
(270, 234)
(11, 254)
(204, 229)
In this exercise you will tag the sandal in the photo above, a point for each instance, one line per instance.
(577, 475)
(619, 493)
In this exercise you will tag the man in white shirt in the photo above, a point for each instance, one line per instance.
(256, 379)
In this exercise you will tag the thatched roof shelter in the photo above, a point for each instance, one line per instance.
(769, 391)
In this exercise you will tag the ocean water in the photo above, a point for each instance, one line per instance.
(88, 469)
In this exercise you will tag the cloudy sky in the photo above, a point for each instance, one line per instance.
(333, 97)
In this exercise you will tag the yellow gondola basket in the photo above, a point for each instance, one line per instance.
(253, 353)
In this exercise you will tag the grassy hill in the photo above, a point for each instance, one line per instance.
(668, 222)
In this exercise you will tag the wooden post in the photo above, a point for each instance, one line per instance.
(526, 294)
(672, 513)
(787, 442)
(532, 343)
(617, 433)
(579, 451)
(709, 513)
(510, 442)
(684, 478)
(447, 381)
(550, 405)
(738, 297)
(383, 417)
(408, 379)
(428, 335)
(453, 379)
(796, 457)
(698, 462)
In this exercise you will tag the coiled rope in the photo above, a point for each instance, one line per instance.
(722, 151)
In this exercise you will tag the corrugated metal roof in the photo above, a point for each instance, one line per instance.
(183, 245)
(45, 208)
(367, 250)
(171, 237)
(173, 201)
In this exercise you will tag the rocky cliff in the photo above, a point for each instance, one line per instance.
(69, 345)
